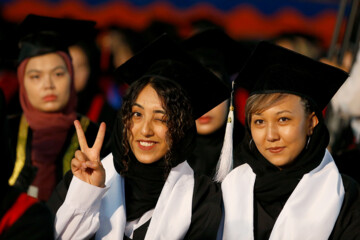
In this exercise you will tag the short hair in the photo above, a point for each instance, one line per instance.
(259, 102)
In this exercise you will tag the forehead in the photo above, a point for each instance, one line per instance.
(148, 97)
(272, 102)
(49, 60)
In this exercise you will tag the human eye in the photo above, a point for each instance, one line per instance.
(136, 115)
(284, 119)
(258, 121)
(161, 119)
(60, 73)
(34, 76)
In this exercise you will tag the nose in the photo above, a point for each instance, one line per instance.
(49, 83)
(272, 133)
(147, 128)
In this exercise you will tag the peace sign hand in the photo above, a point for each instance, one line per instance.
(86, 164)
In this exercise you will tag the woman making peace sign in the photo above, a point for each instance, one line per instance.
(145, 189)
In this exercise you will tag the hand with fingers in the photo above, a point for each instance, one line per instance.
(86, 164)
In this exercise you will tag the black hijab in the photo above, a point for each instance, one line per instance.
(144, 182)
(272, 184)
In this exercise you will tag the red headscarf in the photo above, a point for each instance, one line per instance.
(49, 130)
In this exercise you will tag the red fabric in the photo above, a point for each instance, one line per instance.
(9, 84)
(22, 203)
(49, 131)
(241, 96)
(95, 108)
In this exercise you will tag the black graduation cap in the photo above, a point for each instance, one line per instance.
(218, 51)
(166, 59)
(40, 35)
(274, 69)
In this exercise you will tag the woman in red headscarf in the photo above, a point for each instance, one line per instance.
(43, 134)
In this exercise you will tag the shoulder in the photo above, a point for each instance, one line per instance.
(348, 222)
(33, 222)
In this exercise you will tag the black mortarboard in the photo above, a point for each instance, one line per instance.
(218, 51)
(272, 68)
(166, 59)
(40, 35)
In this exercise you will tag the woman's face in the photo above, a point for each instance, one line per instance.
(280, 132)
(47, 82)
(81, 67)
(148, 127)
(212, 120)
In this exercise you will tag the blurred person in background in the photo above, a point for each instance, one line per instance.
(43, 136)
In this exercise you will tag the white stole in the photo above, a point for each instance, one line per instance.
(172, 214)
(310, 212)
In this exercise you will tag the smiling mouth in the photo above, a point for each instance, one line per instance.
(146, 145)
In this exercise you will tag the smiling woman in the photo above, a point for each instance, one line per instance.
(43, 137)
(287, 185)
(150, 191)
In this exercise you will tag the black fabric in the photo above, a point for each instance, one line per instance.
(272, 184)
(144, 182)
(348, 222)
(206, 212)
(274, 69)
(347, 162)
(40, 35)
(164, 58)
(205, 156)
(143, 185)
(28, 172)
(6, 157)
(206, 208)
(35, 223)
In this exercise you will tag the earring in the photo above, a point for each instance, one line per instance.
(308, 141)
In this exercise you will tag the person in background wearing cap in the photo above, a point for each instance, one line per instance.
(145, 189)
(287, 185)
(21, 216)
(43, 137)
(91, 101)
(219, 53)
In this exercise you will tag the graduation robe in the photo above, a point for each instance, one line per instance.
(21, 136)
(337, 210)
(24, 219)
(189, 207)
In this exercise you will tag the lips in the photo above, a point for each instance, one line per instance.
(146, 145)
(49, 98)
(275, 149)
(204, 119)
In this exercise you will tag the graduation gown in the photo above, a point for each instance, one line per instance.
(189, 207)
(33, 219)
(21, 136)
(323, 204)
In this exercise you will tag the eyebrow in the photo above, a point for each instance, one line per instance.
(278, 113)
(55, 68)
(155, 111)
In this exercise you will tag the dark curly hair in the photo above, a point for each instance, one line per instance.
(179, 120)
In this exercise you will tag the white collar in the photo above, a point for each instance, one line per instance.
(309, 213)
(172, 214)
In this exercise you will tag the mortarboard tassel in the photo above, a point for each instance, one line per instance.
(225, 163)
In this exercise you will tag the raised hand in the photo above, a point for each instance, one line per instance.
(86, 164)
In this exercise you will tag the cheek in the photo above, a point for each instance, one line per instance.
(32, 91)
